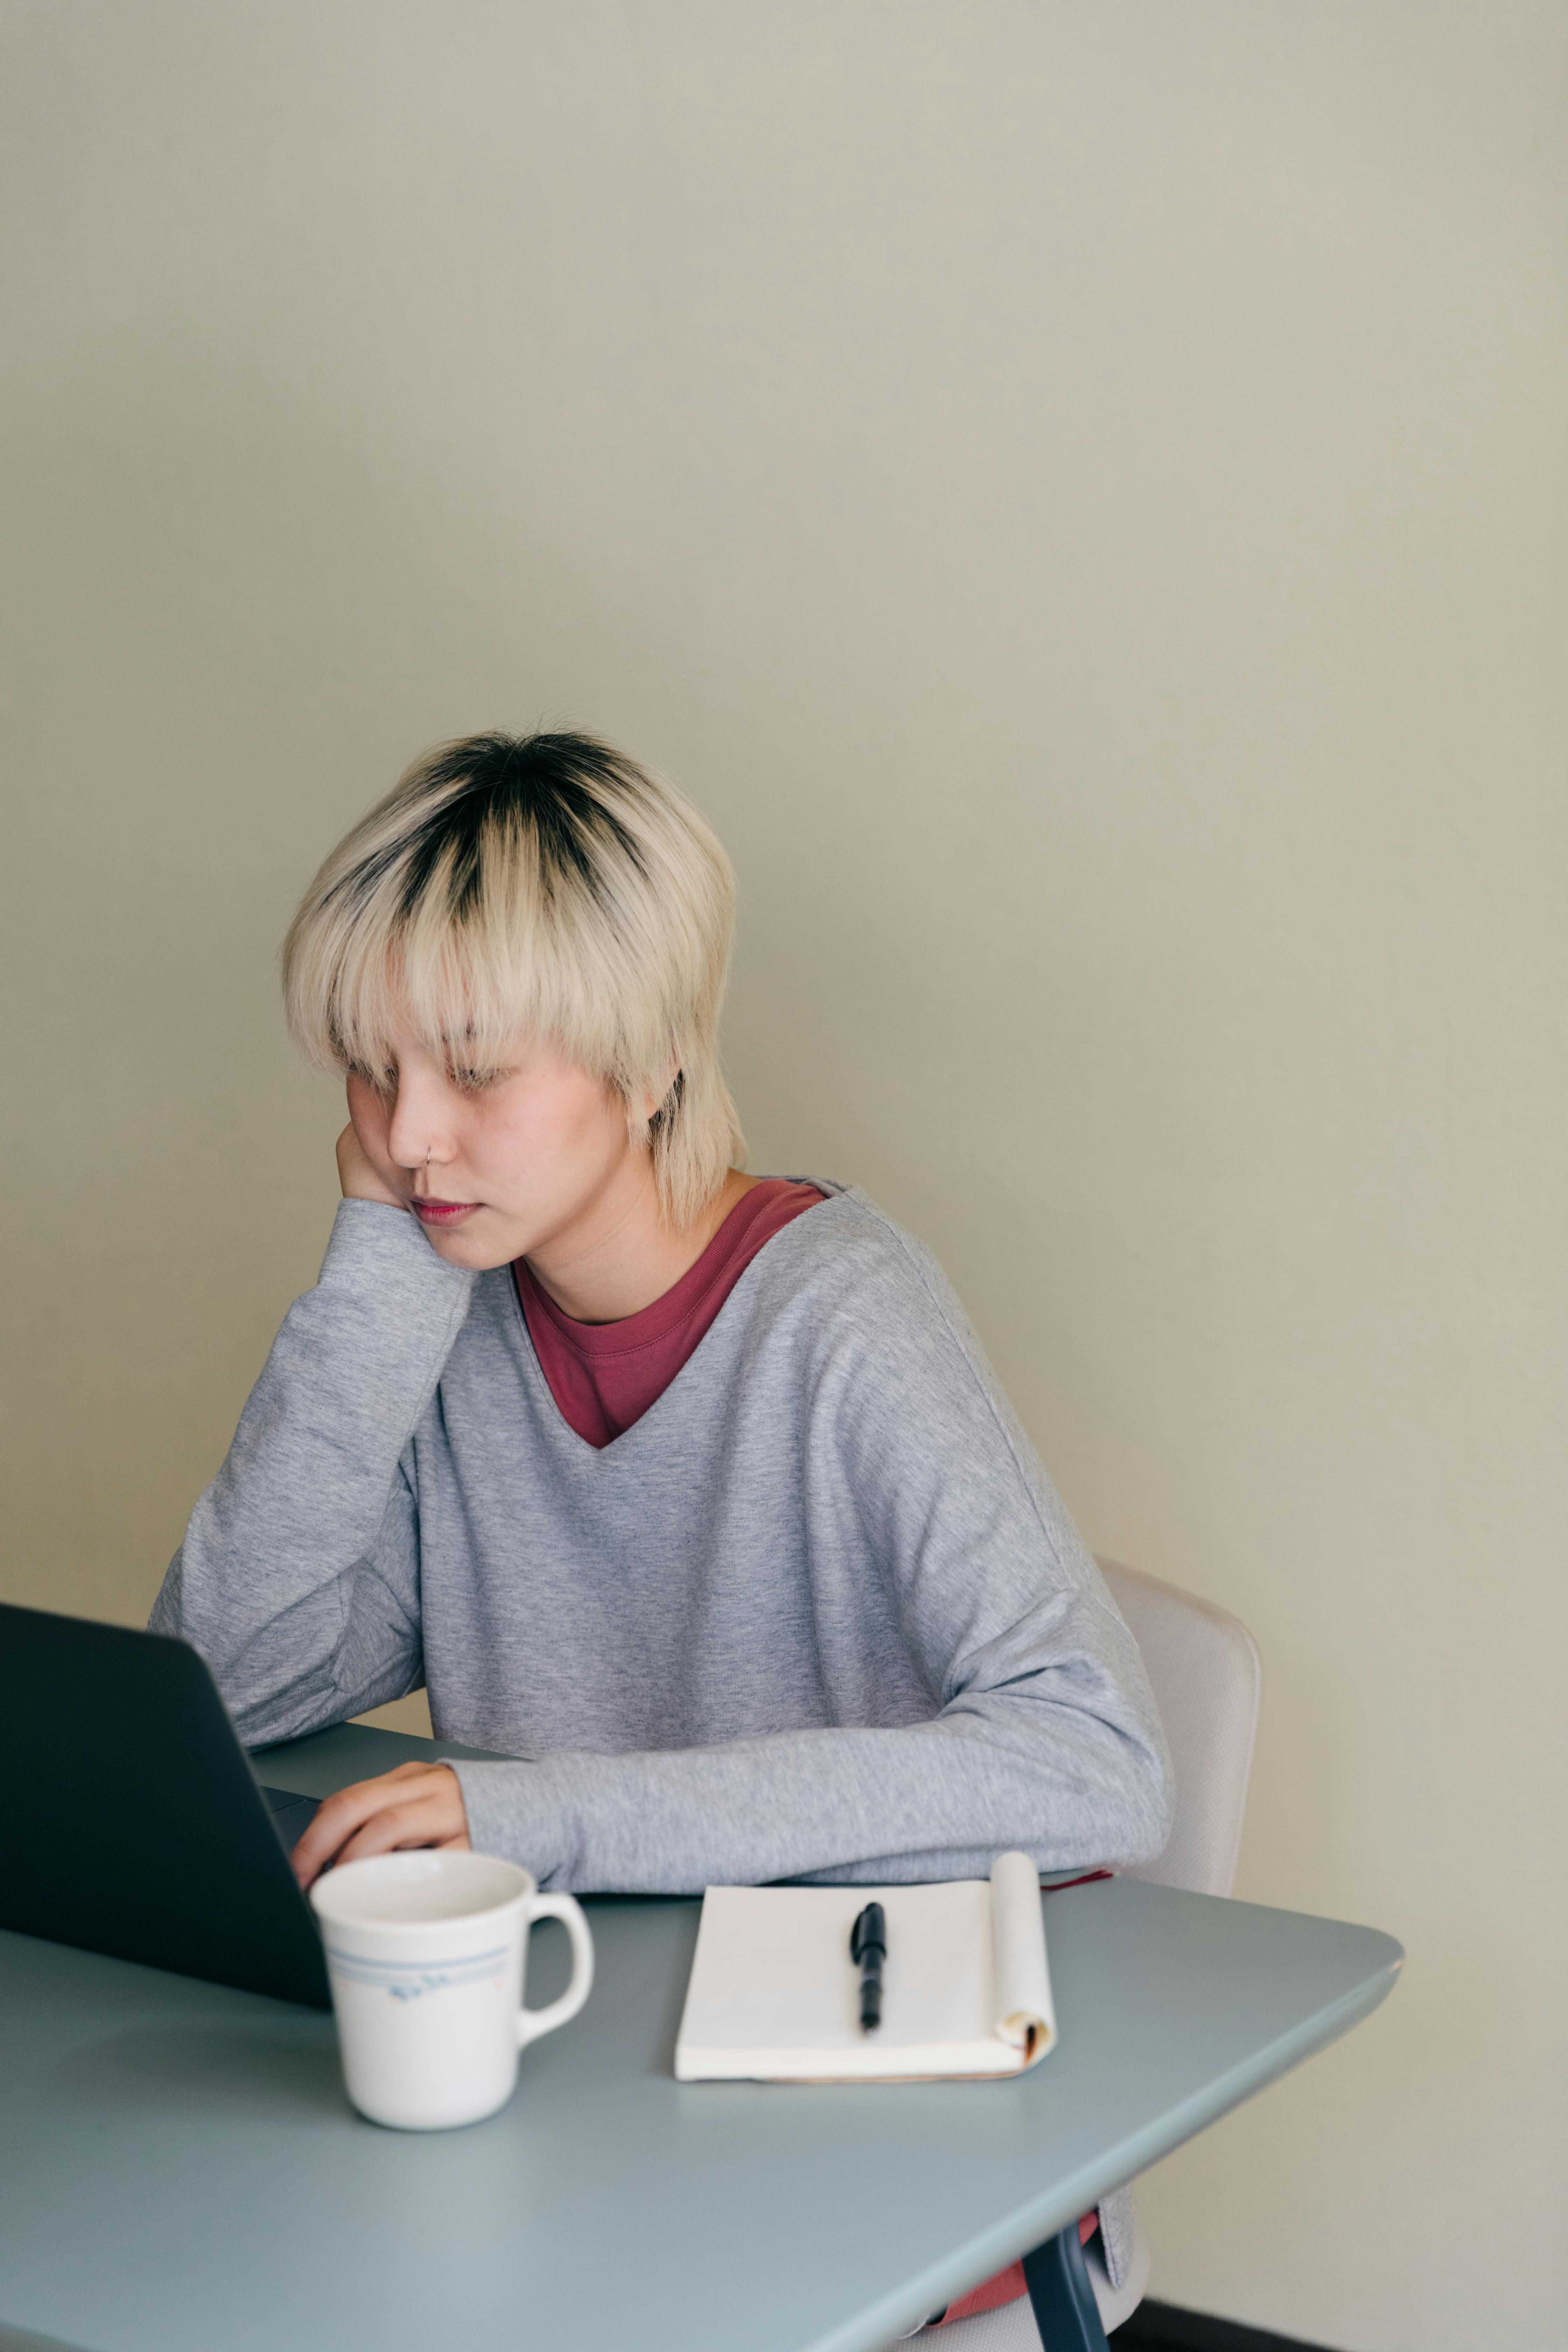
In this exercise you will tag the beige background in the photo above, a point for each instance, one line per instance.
(1078, 493)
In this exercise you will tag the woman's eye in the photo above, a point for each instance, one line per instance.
(473, 1082)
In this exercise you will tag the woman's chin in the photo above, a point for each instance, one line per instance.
(469, 1246)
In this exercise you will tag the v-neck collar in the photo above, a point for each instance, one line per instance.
(658, 1322)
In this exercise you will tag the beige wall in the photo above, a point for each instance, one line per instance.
(1078, 493)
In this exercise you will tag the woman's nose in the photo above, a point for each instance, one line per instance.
(417, 1137)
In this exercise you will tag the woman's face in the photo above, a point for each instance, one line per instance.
(496, 1163)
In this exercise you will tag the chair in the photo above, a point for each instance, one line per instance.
(1203, 1669)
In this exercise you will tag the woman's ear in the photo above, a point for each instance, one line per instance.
(644, 1104)
(654, 1102)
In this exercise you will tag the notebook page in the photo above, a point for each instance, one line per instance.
(1024, 2016)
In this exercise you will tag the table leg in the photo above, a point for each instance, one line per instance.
(1061, 2297)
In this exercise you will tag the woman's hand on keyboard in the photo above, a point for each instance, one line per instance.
(418, 1804)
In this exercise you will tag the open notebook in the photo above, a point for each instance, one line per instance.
(775, 1995)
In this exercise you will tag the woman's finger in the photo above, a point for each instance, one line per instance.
(345, 1813)
(397, 1827)
(336, 1819)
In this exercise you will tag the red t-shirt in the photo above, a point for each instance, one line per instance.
(605, 1376)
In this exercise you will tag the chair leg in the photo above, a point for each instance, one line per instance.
(1061, 2295)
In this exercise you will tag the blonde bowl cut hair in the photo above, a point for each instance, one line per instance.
(540, 884)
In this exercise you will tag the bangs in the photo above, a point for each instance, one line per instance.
(476, 960)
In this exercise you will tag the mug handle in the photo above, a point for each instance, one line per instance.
(532, 2022)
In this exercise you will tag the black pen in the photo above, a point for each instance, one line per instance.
(868, 1950)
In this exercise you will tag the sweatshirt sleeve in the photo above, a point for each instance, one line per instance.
(299, 1577)
(1043, 1733)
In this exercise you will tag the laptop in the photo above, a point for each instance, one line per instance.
(133, 1824)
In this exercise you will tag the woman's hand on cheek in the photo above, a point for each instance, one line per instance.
(358, 1175)
(418, 1804)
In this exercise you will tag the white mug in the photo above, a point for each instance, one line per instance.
(425, 1952)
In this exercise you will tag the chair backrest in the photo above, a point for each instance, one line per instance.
(1203, 1668)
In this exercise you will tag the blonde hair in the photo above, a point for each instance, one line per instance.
(539, 884)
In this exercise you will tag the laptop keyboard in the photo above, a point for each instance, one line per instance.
(291, 1814)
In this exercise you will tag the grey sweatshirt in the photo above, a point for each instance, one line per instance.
(819, 1613)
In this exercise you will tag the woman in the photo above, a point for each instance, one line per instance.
(693, 1493)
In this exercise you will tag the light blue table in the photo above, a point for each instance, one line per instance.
(181, 2172)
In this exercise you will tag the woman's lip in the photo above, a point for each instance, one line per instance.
(444, 1213)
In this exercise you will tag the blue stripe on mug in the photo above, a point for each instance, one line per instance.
(411, 1979)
